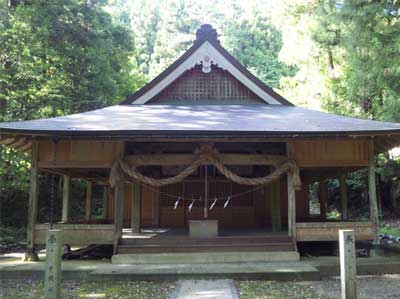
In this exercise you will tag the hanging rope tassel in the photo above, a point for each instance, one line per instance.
(213, 204)
(227, 202)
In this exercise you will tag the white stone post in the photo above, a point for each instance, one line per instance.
(52, 279)
(348, 269)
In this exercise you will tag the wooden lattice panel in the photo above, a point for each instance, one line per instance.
(217, 86)
(239, 213)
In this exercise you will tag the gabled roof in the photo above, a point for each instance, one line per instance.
(207, 51)
(201, 120)
(279, 120)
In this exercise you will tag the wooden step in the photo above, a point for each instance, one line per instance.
(183, 243)
(201, 249)
(205, 247)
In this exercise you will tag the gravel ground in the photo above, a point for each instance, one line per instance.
(276, 290)
(22, 289)
(369, 287)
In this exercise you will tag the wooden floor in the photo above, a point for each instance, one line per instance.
(178, 240)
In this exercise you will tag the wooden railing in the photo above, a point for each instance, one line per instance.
(329, 231)
(78, 234)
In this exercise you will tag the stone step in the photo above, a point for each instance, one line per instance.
(223, 240)
(157, 248)
(205, 257)
(277, 271)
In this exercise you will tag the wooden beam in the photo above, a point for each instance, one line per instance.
(88, 207)
(105, 202)
(118, 213)
(119, 196)
(343, 196)
(275, 201)
(136, 208)
(323, 198)
(291, 197)
(7, 141)
(18, 143)
(75, 164)
(373, 204)
(186, 159)
(24, 147)
(156, 210)
(33, 204)
(66, 195)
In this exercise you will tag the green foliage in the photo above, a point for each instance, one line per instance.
(256, 43)
(57, 58)
(12, 235)
(164, 30)
(62, 57)
(389, 229)
(359, 41)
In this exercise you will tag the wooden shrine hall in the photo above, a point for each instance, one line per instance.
(204, 158)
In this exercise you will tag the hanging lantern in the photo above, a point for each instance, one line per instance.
(227, 202)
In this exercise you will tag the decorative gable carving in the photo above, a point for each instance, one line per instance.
(206, 84)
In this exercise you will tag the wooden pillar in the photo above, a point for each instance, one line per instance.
(343, 196)
(119, 195)
(136, 208)
(31, 254)
(118, 213)
(291, 197)
(105, 203)
(66, 194)
(323, 198)
(348, 270)
(88, 208)
(275, 201)
(373, 205)
(291, 205)
(156, 210)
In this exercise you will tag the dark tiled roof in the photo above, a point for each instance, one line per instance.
(171, 120)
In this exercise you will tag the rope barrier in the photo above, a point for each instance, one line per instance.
(182, 198)
(205, 154)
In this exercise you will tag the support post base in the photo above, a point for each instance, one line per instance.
(30, 255)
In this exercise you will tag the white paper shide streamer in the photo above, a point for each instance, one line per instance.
(191, 205)
(177, 203)
(213, 204)
(227, 202)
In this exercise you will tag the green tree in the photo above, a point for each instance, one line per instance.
(256, 43)
(358, 42)
(58, 57)
(61, 57)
